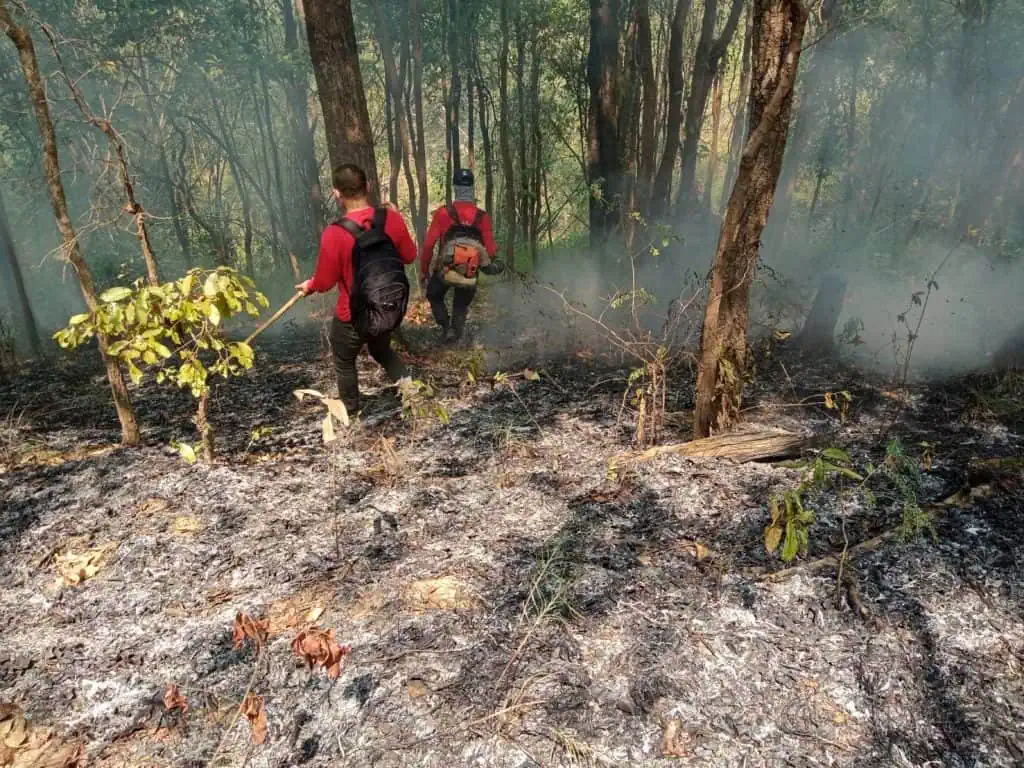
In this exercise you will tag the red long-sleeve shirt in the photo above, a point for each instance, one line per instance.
(442, 221)
(334, 264)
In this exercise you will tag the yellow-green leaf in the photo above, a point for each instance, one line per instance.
(112, 295)
(772, 538)
(210, 286)
(214, 314)
(78, 319)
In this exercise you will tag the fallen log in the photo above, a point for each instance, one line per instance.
(738, 446)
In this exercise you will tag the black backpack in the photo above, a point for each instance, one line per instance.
(379, 294)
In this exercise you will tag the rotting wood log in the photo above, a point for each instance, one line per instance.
(738, 446)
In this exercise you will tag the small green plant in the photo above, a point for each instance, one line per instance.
(419, 403)
(905, 475)
(177, 329)
(791, 520)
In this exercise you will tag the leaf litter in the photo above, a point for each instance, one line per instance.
(650, 609)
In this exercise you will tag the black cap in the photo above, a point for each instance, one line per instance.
(463, 177)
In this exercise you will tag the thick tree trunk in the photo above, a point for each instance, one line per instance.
(661, 196)
(709, 53)
(332, 48)
(71, 250)
(15, 283)
(297, 94)
(778, 35)
(602, 71)
(648, 125)
(505, 140)
(416, 24)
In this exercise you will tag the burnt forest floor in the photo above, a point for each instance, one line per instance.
(507, 600)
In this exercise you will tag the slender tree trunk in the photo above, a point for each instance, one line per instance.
(455, 88)
(535, 141)
(297, 94)
(15, 283)
(71, 249)
(709, 53)
(850, 193)
(521, 123)
(739, 123)
(408, 144)
(403, 139)
(778, 35)
(716, 120)
(394, 158)
(602, 69)
(416, 24)
(485, 138)
(470, 125)
(332, 48)
(662, 193)
(504, 139)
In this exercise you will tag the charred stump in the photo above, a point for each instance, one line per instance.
(818, 336)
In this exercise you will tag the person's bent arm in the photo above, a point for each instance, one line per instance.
(328, 264)
(402, 239)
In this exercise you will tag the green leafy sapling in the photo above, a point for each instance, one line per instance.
(177, 330)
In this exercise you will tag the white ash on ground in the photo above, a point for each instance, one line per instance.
(507, 602)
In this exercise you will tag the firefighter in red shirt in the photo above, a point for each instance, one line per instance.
(465, 240)
(334, 270)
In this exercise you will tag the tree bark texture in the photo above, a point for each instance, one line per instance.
(416, 25)
(71, 249)
(778, 34)
(819, 332)
(602, 71)
(332, 47)
(739, 122)
(648, 124)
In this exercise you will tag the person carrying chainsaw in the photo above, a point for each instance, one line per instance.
(363, 255)
(464, 240)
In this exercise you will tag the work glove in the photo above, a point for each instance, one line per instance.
(496, 267)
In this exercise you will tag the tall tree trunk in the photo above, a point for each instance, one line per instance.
(535, 141)
(739, 123)
(716, 121)
(778, 35)
(332, 48)
(485, 138)
(602, 69)
(416, 25)
(662, 193)
(504, 139)
(71, 249)
(709, 53)
(850, 193)
(521, 145)
(455, 87)
(394, 159)
(403, 139)
(470, 125)
(648, 131)
(15, 283)
(297, 94)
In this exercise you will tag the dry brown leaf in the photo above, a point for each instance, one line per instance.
(74, 568)
(254, 711)
(174, 700)
(153, 506)
(185, 525)
(319, 648)
(17, 732)
(416, 688)
(249, 628)
(445, 594)
(675, 741)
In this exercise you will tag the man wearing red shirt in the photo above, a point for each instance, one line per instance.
(431, 269)
(334, 270)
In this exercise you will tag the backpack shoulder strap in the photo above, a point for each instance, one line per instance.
(351, 227)
(453, 214)
(380, 218)
(480, 213)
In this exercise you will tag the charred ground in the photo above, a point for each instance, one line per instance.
(508, 601)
